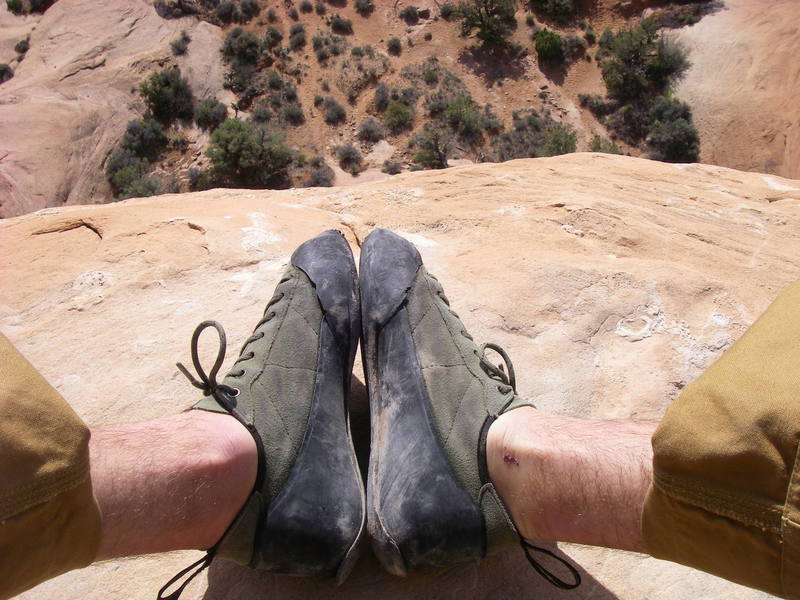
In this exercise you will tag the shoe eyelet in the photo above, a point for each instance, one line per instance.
(237, 391)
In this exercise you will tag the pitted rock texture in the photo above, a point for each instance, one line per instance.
(611, 281)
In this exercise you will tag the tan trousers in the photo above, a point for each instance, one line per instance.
(725, 496)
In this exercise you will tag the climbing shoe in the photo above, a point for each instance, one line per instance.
(290, 389)
(433, 395)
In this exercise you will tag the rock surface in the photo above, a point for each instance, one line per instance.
(743, 85)
(611, 281)
(71, 97)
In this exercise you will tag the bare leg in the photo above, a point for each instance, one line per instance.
(572, 480)
(169, 484)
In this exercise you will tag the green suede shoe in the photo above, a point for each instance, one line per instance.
(433, 396)
(290, 389)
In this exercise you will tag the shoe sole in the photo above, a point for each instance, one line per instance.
(418, 514)
(316, 523)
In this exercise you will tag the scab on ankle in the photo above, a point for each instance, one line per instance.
(510, 459)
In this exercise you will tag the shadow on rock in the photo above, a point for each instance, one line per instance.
(504, 575)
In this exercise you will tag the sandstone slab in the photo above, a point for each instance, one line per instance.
(611, 281)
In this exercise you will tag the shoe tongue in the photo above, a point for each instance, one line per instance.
(210, 404)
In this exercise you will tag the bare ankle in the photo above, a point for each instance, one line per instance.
(568, 479)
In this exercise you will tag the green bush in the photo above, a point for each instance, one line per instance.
(558, 10)
(463, 115)
(320, 8)
(146, 138)
(227, 12)
(249, 9)
(293, 114)
(370, 131)
(241, 47)
(535, 135)
(448, 11)
(391, 167)
(168, 95)
(549, 46)
(599, 144)
(6, 72)
(39, 6)
(672, 136)
(210, 114)
(410, 14)
(398, 116)
(494, 20)
(321, 175)
(334, 112)
(349, 158)
(394, 46)
(22, 46)
(180, 44)
(306, 6)
(297, 37)
(272, 37)
(365, 7)
(381, 99)
(341, 25)
(15, 6)
(432, 146)
(246, 155)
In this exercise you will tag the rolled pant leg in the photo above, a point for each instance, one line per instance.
(49, 519)
(725, 496)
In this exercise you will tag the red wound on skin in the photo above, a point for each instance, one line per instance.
(510, 460)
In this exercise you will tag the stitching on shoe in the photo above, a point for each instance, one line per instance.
(455, 415)
(302, 316)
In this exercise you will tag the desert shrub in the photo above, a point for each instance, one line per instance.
(596, 104)
(6, 72)
(398, 116)
(430, 76)
(39, 6)
(320, 175)
(180, 44)
(306, 6)
(15, 6)
(198, 179)
(349, 158)
(535, 135)
(124, 167)
(391, 167)
(168, 95)
(529, 20)
(493, 20)
(293, 14)
(272, 16)
(381, 99)
(341, 25)
(558, 10)
(179, 142)
(243, 154)
(275, 81)
(272, 37)
(672, 136)
(241, 47)
(227, 12)
(334, 112)
(261, 114)
(297, 36)
(590, 36)
(249, 9)
(365, 7)
(410, 14)
(428, 36)
(432, 146)
(574, 46)
(293, 114)
(394, 46)
(463, 115)
(549, 46)
(370, 130)
(448, 11)
(210, 114)
(146, 138)
(599, 144)
(22, 46)
(320, 8)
